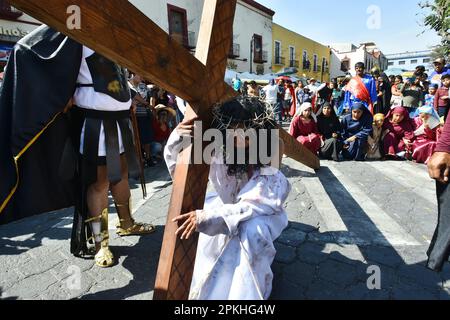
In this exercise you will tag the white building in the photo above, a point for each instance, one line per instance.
(344, 56)
(252, 38)
(252, 29)
(410, 60)
(180, 18)
(14, 25)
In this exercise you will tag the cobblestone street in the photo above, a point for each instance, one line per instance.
(344, 219)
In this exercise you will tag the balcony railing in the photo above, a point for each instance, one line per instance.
(306, 65)
(294, 63)
(192, 40)
(261, 57)
(189, 41)
(235, 51)
(265, 56)
(9, 12)
(280, 60)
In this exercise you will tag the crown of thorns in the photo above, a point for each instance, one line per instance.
(261, 113)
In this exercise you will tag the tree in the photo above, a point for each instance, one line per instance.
(438, 19)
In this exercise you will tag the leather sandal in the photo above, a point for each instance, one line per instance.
(137, 229)
(104, 257)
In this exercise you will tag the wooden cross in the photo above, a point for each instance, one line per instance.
(120, 32)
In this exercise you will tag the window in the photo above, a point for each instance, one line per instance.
(390, 63)
(401, 63)
(257, 48)
(277, 52)
(305, 61)
(414, 61)
(345, 65)
(426, 60)
(315, 63)
(291, 56)
(178, 24)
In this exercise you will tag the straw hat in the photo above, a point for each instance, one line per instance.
(161, 107)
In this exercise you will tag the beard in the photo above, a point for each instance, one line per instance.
(236, 167)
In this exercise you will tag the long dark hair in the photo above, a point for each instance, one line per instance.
(246, 113)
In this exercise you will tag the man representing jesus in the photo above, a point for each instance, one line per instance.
(245, 215)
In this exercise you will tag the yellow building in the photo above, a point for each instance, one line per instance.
(292, 50)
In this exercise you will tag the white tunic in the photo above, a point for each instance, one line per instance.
(238, 226)
(88, 98)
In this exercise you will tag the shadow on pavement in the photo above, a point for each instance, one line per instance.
(141, 260)
(21, 236)
(304, 271)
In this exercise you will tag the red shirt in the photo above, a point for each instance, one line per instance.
(443, 144)
(438, 102)
(160, 135)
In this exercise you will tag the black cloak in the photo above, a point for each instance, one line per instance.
(39, 81)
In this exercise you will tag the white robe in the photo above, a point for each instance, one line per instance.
(238, 225)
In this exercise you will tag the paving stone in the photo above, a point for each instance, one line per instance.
(360, 291)
(304, 227)
(57, 291)
(286, 290)
(420, 275)
(337, 272)
(8, 278)
(344, 253)
(383, 255)
(285, 254)
(292, 237)
(311, 253)
(325, 290)
(32, 286)
(38, 265)
(444, 294)
(277, 269)
(300, 273)
(409, 291)
(413, 255)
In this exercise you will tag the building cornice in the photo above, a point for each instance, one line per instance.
(260, 7)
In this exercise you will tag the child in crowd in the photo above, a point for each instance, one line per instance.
(400, 134)
(336, 96)
(429, 97)
(161, 129)
(397, 95)
(442, 99)
(375, 139)
(412, 96)
(304, 128)
(426, 134)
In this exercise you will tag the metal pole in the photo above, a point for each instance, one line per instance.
(251, 55)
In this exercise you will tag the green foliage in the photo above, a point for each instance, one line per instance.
(438, 19)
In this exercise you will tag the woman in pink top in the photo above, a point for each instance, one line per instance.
(304, 128)
(400, 133)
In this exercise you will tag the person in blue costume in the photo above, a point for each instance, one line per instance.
(356, 128)
(362, 88)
